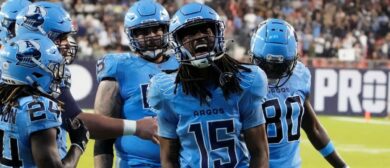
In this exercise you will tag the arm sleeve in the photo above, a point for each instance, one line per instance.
(167, 120)
(42, 114)
(106, 67)
(253, 97)
(71, 108)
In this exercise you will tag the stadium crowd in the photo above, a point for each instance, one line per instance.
(324, 27)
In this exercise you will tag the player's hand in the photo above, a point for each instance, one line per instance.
(78, 133)
(147, 129)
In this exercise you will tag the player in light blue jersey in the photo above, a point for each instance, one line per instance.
(8, 11)
(123, 79)
(209, 110)
(51, 19)
(30, 118)
(288, 108)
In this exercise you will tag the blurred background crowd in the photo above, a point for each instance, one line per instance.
(335, 33)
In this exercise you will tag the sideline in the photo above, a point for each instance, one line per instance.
(362, 120)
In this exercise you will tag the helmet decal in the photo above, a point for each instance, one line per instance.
(34, 17)
(27, 50)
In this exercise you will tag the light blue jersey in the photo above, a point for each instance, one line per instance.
(283, 110)
(33, 114)
(133, 74)
(210, 136)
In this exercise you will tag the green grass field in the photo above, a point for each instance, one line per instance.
(362, 144)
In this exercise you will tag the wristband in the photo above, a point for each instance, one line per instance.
(327, 150)
(129, 127)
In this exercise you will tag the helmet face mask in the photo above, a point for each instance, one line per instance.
(198, 39)
(9, 24)
(275, 69)
(68, 47)
(146, 25)
(58, 72)
(9, 10)
(197, 35)
(149, 41)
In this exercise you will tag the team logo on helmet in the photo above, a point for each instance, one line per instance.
(27, 50)
(34, 17)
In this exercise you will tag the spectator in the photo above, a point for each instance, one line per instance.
(323, 26)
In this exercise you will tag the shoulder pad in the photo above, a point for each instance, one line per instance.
(164, 82)
(106, 67)
(247, 78)
(303, 74)
(161, 87)
(254, 81)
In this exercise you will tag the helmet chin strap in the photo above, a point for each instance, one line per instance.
(151, 56)
(202, 61)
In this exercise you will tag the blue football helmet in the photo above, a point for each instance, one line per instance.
(34, 60)
(195, 14)
(274, 48)
(49, 19)
(8, 12)
(140, 16)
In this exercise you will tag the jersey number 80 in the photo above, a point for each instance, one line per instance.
(277, 119)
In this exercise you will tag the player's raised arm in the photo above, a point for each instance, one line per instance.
(318, 136)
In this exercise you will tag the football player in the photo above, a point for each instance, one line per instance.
(287, 107)
(123, 79)
(209, 112)
(8, 12)
(30, 118)
(52, 20)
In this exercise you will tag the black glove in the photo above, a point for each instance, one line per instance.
(78, 133)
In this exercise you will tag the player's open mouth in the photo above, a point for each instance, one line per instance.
(201, 48)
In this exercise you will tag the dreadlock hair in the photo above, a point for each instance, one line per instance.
(194, 83)
(9, 94)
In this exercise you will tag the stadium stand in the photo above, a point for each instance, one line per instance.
(326, 29)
